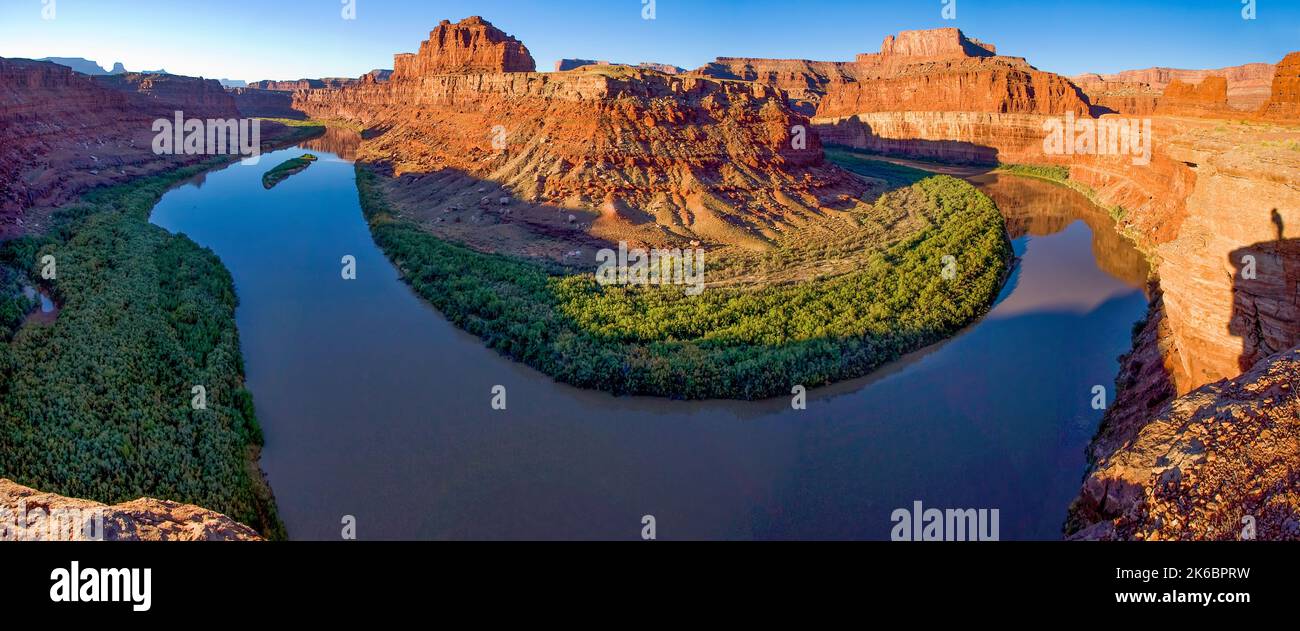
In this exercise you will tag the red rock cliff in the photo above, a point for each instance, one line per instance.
(470, 46)
(1284, 97)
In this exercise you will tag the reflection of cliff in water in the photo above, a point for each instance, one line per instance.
(342, 142)
(1037, 208)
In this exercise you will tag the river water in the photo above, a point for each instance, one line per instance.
(374, 407)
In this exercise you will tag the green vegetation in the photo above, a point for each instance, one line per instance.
(14, 306)
(729, 342)
(99, 404)
(287, 168)
(894, 175)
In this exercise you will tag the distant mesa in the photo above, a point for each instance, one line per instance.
(565, 65)
(85, 66)
(936, 43)
(327, 83)
(1137, 92)
(472, 46)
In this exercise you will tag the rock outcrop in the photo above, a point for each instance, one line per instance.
(1113, 96)
(938, 43)
(1248, 85)
(1206, 99)
(469, 46)
(805, 82)
(632, 154)
(197, 97)
(254, 102)
(27, 517)
(939, 95)
(1283, 103)
(1210, 463)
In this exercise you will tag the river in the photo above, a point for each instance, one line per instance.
(375, 407)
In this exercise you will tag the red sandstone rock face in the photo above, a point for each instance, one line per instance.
(1248, 85)
(141, 520)
(470, 46)
(1284, 98)
(1208, 99)
(941, 43)
(195, 96)
(62, 133)
(940, 95)
(651, 157)
(806, 82)
(1128, 98)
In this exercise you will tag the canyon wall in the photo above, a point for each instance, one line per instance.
(648, 157)
(62, 133)
(805, 82)
(197, 97)
(940, 95)
(1248, 85)
(140, 520)
(1283, 103)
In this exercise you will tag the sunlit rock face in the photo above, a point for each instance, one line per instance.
(141, 520)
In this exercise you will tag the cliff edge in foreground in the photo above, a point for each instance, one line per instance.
(141, 520)
(1220, 463)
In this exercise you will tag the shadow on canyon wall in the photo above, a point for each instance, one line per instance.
(856, 133)
(1266, 296)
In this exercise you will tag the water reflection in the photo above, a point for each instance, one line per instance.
(373, 405)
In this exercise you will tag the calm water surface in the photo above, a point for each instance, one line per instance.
(374, 406)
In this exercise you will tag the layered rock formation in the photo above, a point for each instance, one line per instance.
(1113, 96)
(1208, 465)
(62, 133)
(197, 97)
(327, 83)
(941, 43)
(469, 46)
(625, 154)
(1208, 99)
(1248, 85)
(805, 82)
(140, 520)
(254, 102)
(1283, 103)
(940, 95)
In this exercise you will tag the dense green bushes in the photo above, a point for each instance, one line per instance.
(748, 343)
(98, 404)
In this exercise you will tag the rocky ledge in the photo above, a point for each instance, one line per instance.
(1220, 463)
(141, 520)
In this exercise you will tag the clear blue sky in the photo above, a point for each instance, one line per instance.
(289, 39)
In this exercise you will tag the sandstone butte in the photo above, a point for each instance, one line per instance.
(624, 154)
(141, 520)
